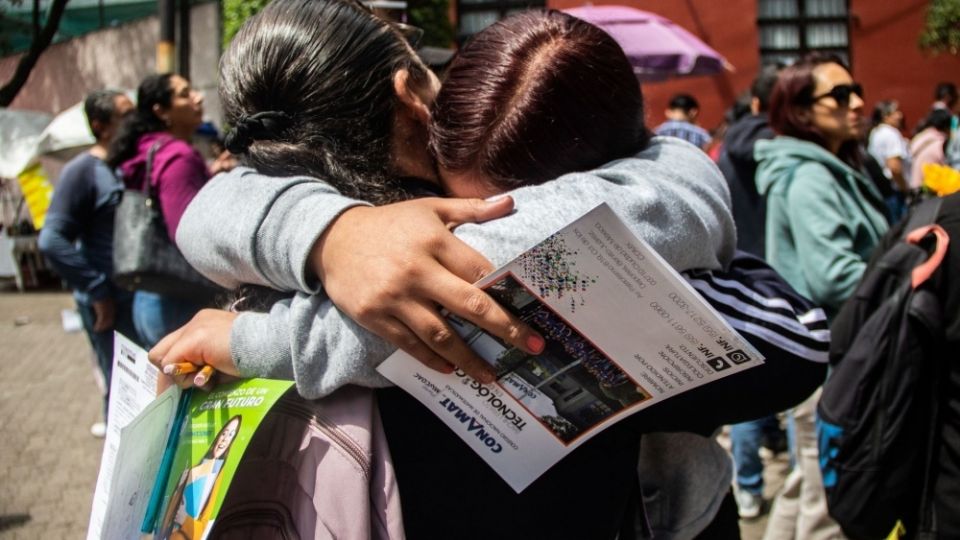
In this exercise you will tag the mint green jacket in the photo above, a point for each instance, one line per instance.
(823, 218)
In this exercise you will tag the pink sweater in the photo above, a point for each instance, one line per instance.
(926, 147)
(178, 174)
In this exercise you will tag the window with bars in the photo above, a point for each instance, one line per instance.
(475, 15)
(789, 29)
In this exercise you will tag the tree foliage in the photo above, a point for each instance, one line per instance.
(942, 30)
(235, 13)
(41, 36)
(431, 15)
(434, 17)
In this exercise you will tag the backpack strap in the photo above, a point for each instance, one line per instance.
(923, 272)
(920, 224)
(922, 214)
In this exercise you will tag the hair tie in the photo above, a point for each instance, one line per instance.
(265, 125)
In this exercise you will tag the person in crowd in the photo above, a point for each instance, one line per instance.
(77, 236)
(739, 168)
(945, 97)
(739, 109)
(167, 114)
(927, 146)
(887, 145)
(682, 113)
(824, 218)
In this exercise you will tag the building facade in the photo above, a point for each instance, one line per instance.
(118, 56)
(878, 39)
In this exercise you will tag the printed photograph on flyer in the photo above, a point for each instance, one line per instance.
(572, 385)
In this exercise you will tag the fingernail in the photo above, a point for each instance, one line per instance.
(535, 343)
(486, 377)
(497, 198)
(168, 369)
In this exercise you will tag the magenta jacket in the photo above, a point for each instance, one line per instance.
(178, 174)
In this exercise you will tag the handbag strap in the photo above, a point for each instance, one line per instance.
(148, 187)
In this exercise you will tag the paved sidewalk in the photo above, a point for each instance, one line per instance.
(48, 400)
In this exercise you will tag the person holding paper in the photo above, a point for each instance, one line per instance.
(674, 203)
(666, 188)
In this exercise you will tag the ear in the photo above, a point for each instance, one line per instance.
(159, 112)
(755, 106)
(409, 97)
(96, 127)
(803, 114)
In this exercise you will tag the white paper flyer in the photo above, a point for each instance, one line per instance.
(133, 388)
(624, 331)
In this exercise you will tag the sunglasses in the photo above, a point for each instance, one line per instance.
(841, 94)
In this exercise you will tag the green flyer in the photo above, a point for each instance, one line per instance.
(215, 433)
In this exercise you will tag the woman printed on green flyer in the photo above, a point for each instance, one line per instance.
(188, 517)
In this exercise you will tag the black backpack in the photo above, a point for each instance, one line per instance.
(877, 417)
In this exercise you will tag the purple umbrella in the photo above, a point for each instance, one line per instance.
(657, 48)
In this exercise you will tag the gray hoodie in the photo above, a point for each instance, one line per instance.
(670, 194)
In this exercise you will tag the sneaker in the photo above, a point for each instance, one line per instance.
(99, 430)
(748, 504)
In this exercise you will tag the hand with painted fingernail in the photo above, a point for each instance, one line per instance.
(202, 342)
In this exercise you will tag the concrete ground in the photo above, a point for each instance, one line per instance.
(48, 400)
(774, 472)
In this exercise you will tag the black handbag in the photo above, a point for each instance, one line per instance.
(144, 257)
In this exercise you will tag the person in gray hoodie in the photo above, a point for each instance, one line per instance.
(682, 413)
(665, 189)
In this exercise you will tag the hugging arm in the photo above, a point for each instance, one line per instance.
(387, 268)
(676, 201)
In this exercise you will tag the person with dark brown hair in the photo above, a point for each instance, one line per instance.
(824, 219)
(668, 191)
(155, 139)
(529, 101)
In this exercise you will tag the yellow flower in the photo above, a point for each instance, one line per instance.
(941, 179)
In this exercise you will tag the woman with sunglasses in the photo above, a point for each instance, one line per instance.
(824, 218)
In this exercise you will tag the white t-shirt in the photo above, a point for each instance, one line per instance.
(887, 142)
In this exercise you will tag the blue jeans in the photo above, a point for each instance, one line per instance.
(102, 342)
(746, 439)
(156, 315)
